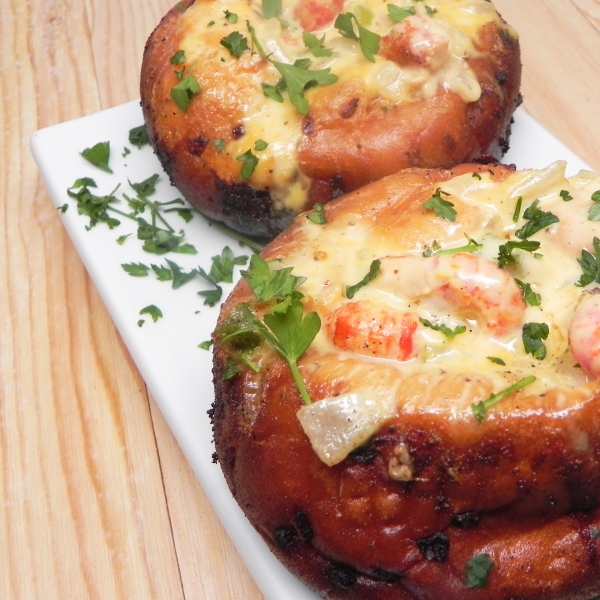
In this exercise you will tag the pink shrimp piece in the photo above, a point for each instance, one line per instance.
(314, 15)
(372, 331)
(411, 43)
(584, 333)
(465, 281)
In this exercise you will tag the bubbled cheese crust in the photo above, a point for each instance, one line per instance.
(431, 487)
(441, 91)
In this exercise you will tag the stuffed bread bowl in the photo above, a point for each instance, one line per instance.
(407, 399)
(259, 111)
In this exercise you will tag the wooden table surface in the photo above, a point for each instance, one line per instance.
(96, 498)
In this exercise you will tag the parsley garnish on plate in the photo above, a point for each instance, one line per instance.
(315, 44)
(317, 214)
(268, 284)
(184, 91)
(435, 249)
(594, 210)
(442, 208)
(505, 251)
(271, 8)
(98, 155)
(153, 311)
(138, 136)
(236, 43)
(249, 162)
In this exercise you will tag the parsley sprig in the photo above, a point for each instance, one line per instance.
(533, 337)
(442, 208)
(436, 250)
(477, 571)
(373, 272)
(268, 284)
(295, 78)
(505, 251)
(537, 219)
(368, 40)
(442, 328)
(480, 409)
(590, 265)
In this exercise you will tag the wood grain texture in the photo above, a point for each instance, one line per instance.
(96, 498)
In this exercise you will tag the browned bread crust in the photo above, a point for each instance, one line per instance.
(350, 137)
(515, 487)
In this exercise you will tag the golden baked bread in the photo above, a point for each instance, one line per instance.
(407, 401)
(257, 119)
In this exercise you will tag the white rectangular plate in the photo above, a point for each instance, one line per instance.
(176, 370)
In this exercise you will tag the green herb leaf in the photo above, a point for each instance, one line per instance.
(219, 145)
(92, 206)
(317, 214)
(153, 311)
(537, 220)
(590, 265)
(274, 91)
(178, 57)
(184, 91)
(271, 8)
(530, 297)
(260, 145)
(206, 345)
(496, 360)
(477, 570)
(290, 333)
(162, 273)
(180, 277)
(471, 246)
(298, 78)
(564, 194)
(223, 264)
(594, 210)
(98, 155)
(368, 40)
(480, 409)
(212, 297)
(398, 14)
(236, 43)
(505, 251)
(373, 272)
(517, 213)
(267, 284)
(315, 45)
(249, 161)
(146, 187)
(449, 333)
(138, 136)
(231, 17)
(239, 333)
(230, 370)
(533, 334)
(63, 208)
(136, 269)
(442, 208)
(476, 175)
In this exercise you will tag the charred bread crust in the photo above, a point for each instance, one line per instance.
(349, 138)
(515, 488)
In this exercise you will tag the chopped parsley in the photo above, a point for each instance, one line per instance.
(469, 247)
(236, 43)
(368, 40)
(398, 14)
(442, 208)
(480, 409)
(231, 17)
(373, 272)
(496, 360)
(530, 297)
(153, 311)
(260, 145)
(315, 45)
(178, 58)
(219, 145)
(590, 265)
(295, 78)
(267, 284)
(594, 210)
(533, 337)
(184, 91)
(249, 162)
(98, 155)
(537, 220)
(271, 8)
(317, 214)
(564, 194)
(517, 213)
(449, 333)
(138, 136)
(477, 570)
(505, 251)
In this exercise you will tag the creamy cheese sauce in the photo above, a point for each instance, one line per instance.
(551, 271)
(205, 24)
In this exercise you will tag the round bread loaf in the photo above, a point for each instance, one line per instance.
(256, 119)
(407, 402)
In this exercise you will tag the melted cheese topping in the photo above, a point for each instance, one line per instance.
(446, 374)
(451, 23)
